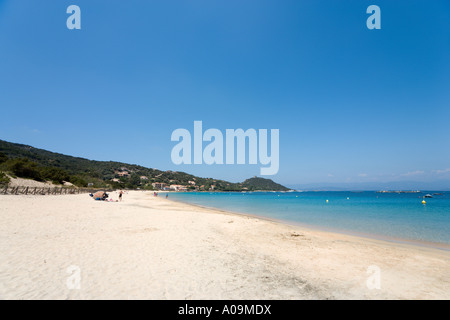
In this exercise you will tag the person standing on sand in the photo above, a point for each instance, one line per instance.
(167, 195)
(120, 195)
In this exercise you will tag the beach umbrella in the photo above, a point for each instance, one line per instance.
(98, 194)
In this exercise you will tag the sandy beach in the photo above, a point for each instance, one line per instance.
(71, 247)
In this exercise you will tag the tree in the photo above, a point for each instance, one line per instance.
(4, 179)
(134, 181)
(56, 175)
(3, 157)
(24, 168)
(79, 182)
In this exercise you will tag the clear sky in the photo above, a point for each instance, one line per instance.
(352, 104)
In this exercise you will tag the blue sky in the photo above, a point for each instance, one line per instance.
(352, 104)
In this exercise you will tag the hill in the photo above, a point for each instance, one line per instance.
(257, 183)
(24, 161)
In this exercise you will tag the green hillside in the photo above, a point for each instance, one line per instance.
(256, 183)
(42, 165)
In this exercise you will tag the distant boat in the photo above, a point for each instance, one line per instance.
(437, 194)
(428, 196)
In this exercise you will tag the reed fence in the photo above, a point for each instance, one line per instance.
(18, 190)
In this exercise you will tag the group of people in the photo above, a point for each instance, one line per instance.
(155, 194)
(103, 196)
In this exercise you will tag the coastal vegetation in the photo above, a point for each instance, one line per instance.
(3, 179)
(257, 183)
(41, 165)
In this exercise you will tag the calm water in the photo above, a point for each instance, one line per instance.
(401, 216)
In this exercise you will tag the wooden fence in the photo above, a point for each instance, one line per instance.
(14, 190)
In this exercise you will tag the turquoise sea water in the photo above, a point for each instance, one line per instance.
(384, 215)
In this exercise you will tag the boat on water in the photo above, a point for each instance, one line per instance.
(428, 196)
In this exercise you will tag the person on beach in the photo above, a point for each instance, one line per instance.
(167, 195)
(120, 195)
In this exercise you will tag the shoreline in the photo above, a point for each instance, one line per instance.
(399, 241)
(146, 247)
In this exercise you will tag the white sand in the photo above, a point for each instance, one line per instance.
(152, 248)
(21, 182)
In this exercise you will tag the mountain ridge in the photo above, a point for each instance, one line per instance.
(39, 164)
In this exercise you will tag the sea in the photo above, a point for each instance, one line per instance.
(389, 216)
